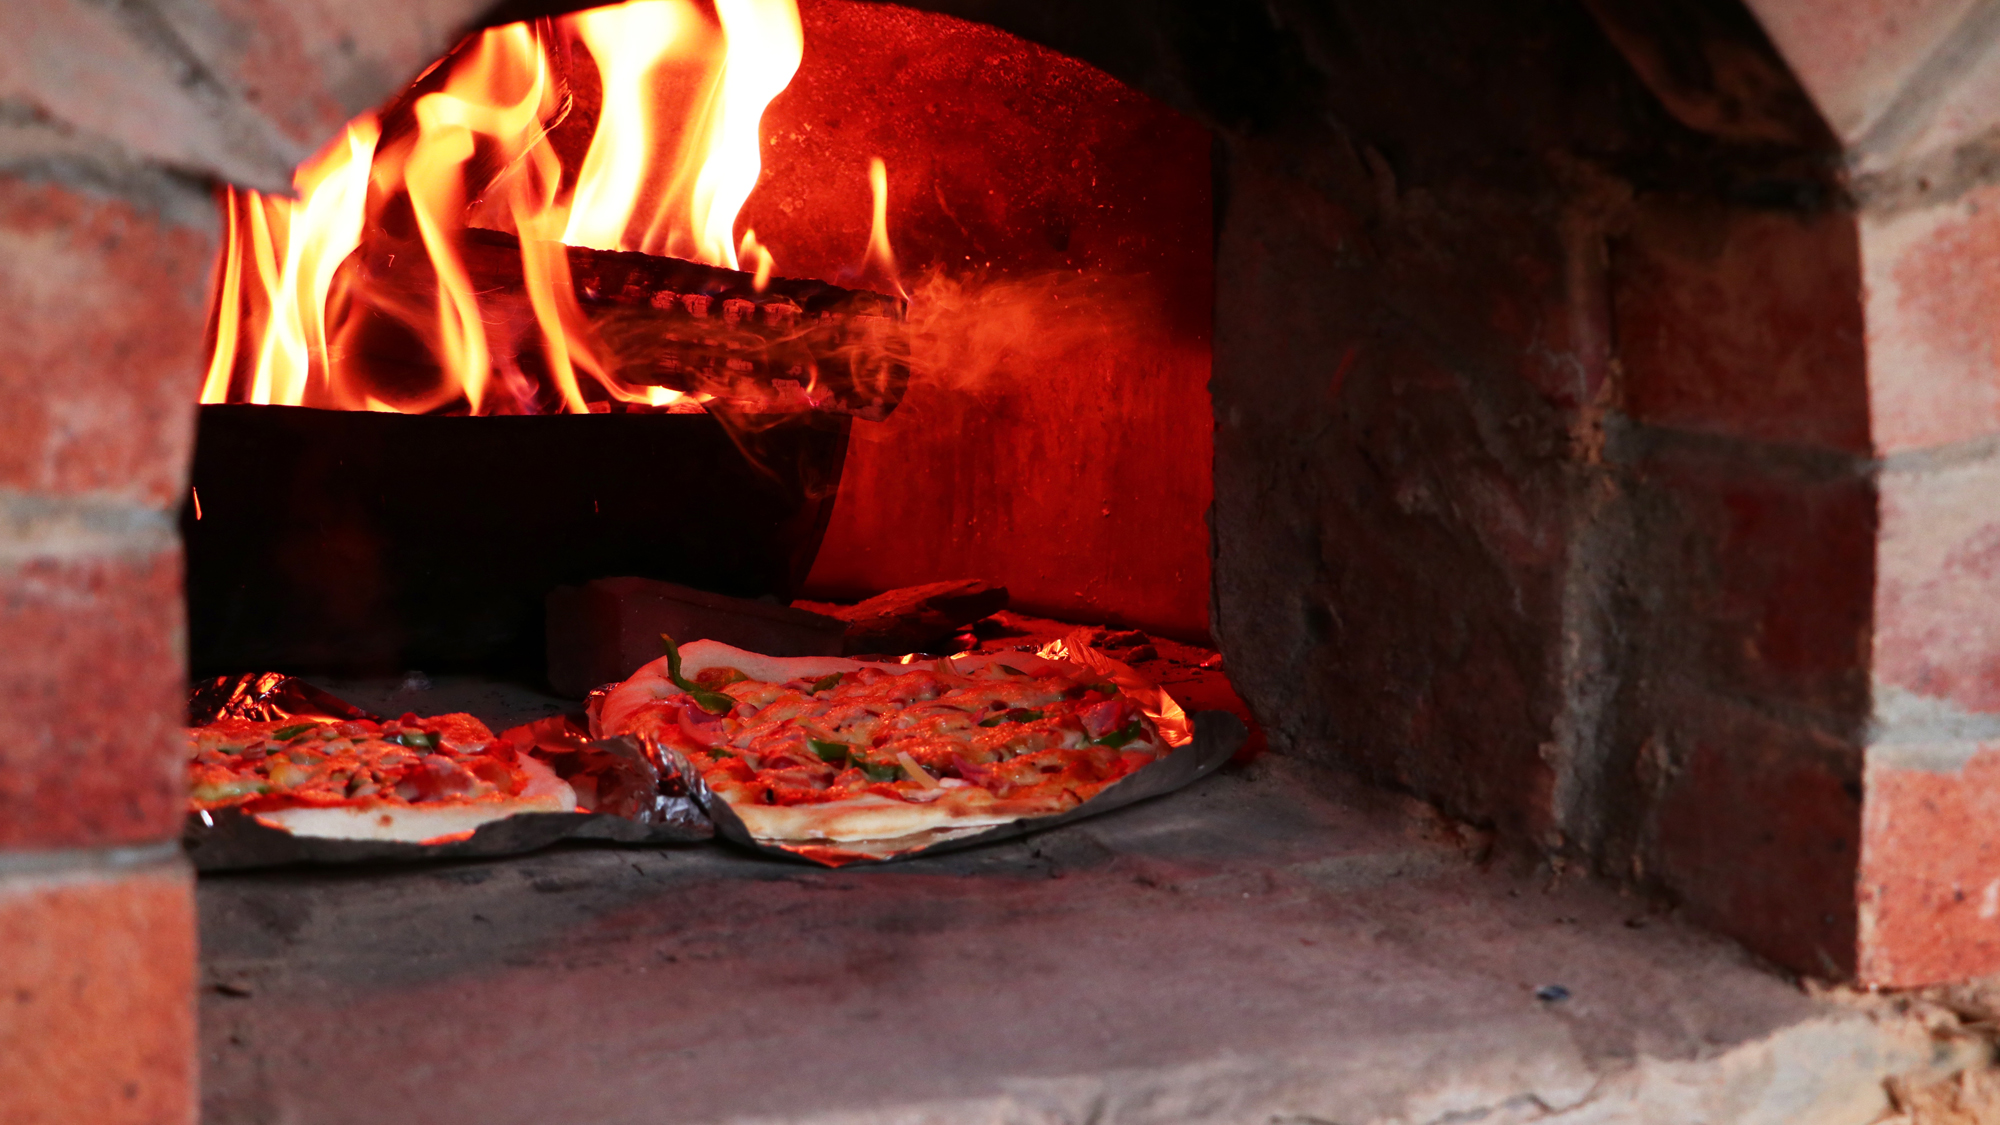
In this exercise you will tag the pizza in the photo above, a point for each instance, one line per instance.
(429, 780)
(826, 751)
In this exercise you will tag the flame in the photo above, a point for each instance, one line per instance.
(307, 286)
(629, 42)
(753, 252)
(318, 233)
(880, 262)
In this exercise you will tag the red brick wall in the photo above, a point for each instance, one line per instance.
(113, 130)
(102, 294)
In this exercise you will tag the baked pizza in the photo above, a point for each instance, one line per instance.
(826, 751)
(417, 780)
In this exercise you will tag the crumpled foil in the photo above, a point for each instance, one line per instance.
(611, 776)
(624, 796)
(266, 697)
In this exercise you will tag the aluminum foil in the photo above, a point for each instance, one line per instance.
(229, 839)
(266, 697)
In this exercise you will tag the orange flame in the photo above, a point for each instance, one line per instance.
(318, 232)
(880, 263)
(306, 286)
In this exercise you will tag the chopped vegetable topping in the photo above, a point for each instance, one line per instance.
(713, 702)
(286, 734)
(1121, 736)
(914, 771)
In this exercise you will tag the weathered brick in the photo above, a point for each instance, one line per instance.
(1930, 869)
(1939, 579)
(1933, 342)
(97, 1020)
(1744, 323)
(91, 681)
(1757, 573)
(101, 355)
(1757, 831)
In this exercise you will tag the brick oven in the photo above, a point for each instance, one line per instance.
(1571, 420)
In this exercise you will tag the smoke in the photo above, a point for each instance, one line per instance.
(983, 333)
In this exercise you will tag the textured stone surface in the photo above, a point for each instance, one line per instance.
(91, 694)
(97, 975)
(1404, 370)
(1260, 947)
(1929, 871)
(1723, 589)
(1758, 830)
(1732, 764)
(1713, 67)
(102, 301)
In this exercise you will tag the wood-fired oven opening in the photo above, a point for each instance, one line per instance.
(770, 303)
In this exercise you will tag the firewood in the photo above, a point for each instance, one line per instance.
(797, 345)
(913, 617)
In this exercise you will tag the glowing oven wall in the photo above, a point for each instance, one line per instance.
(1067, 451)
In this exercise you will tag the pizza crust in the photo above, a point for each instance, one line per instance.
(871, 817)
(427, 823)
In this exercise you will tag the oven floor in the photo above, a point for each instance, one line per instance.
(1271, 945)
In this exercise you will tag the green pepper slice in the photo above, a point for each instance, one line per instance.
(1120, 737)
(713, 702)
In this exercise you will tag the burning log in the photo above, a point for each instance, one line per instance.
(785, 346)
(913, 617)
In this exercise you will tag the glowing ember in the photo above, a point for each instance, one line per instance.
(370, 291)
